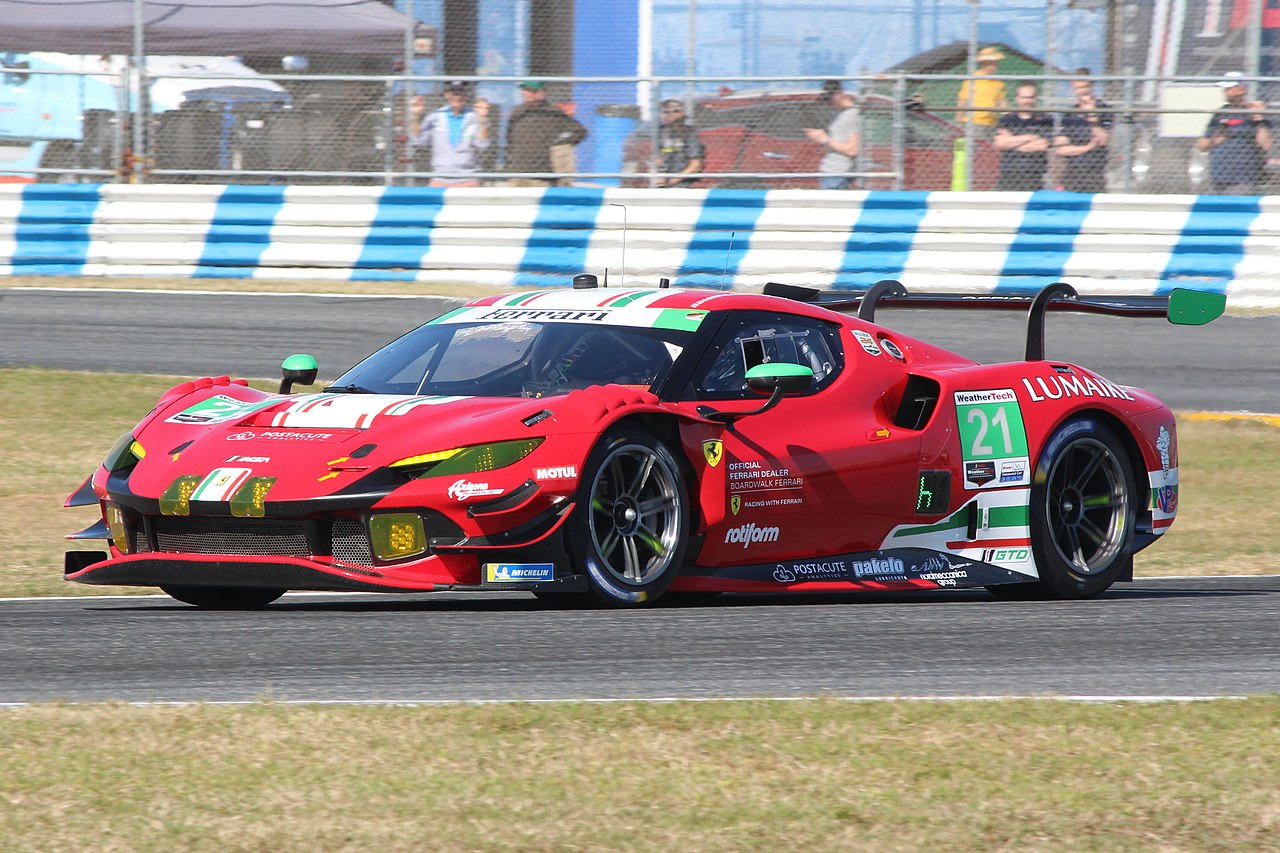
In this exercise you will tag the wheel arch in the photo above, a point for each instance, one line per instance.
(666, 426)
(1133, 457)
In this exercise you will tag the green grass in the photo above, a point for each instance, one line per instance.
(824, 775)
(1226, 523)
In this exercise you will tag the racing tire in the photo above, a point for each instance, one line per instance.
(629, 532)
(1083, 511)
(224, 597)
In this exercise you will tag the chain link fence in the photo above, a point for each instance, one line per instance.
(1133, 134)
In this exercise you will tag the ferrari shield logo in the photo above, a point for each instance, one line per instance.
(713, 450)
(735, 504)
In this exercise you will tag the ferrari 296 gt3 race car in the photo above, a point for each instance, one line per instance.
(608, 445)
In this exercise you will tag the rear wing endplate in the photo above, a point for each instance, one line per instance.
(1181, 306)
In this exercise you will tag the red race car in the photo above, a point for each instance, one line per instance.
(606, 445)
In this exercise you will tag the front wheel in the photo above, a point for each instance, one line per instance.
(629, 532)
(1082, 511)
(224, 597)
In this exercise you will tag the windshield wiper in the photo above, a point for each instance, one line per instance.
(348, 389)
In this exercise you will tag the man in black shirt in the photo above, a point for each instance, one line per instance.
(1082, 140)
(679, 149)
(1022, 138)
(1238, 140)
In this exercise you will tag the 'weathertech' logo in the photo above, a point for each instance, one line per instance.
(749, 534)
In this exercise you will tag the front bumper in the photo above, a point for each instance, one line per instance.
(268, 573)
(321, 552)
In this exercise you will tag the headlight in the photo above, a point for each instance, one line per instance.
(125, 453)
(117, 528)
(467, 460)
(395, 536)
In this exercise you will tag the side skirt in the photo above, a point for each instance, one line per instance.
(867, 571)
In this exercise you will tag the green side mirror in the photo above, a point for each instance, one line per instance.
(300, 368)
(788, 378)
(1195, 307)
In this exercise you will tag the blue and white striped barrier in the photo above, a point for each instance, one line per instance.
(976, 242)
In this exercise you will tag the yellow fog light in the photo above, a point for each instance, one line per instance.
(394, 536)
(116, 527)
(176, 500)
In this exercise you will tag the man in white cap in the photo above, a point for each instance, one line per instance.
(988, 96)
(1238, 139)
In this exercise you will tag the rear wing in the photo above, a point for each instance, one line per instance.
(1181, 306)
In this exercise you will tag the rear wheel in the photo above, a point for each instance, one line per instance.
(1082, 511)
(224, 597)
(629, 532)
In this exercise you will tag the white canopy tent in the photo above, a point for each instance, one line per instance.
(205, 27)
(139, 28)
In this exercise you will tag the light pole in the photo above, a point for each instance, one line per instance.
(138, 172)
(967, 179)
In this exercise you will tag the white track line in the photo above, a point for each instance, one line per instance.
(657, 700)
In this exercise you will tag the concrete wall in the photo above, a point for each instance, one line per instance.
(974, 242)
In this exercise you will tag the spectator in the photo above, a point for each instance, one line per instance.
(987, 95)
(841, 138)
(456, 134)
(532, 130)
(679, 149)
(1022, 138)
(1083, 139)
(1238, 139)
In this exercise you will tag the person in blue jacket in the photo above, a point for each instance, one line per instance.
(456, 134)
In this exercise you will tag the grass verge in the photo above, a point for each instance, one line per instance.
(822, 775)
(67, 420)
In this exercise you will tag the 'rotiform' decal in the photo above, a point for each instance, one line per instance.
(750, 534)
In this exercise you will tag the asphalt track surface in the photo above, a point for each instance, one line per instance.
(1193, 637)
(1233, 364)
(1199, 637)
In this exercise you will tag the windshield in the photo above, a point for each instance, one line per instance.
(517, 359)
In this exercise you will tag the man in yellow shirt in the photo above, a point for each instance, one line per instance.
(988, 96)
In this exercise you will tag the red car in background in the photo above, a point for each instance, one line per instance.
(762, 132)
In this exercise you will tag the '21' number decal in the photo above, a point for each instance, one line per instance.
(1000, 420)
(992, 430)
